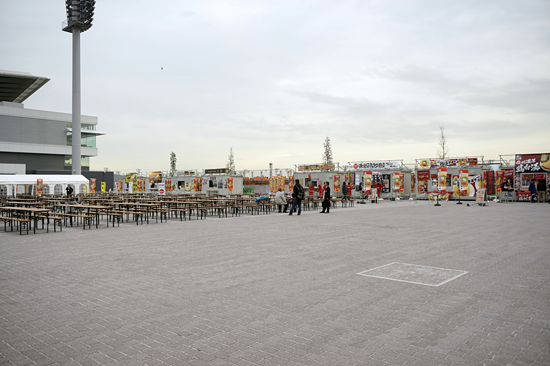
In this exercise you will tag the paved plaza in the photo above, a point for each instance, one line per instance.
(394, 283)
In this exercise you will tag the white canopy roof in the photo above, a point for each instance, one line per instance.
(47, 179)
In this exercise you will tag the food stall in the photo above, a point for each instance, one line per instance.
(396, 180)
(214, 182)
(530, 167)
(450, 178)
(316, 174)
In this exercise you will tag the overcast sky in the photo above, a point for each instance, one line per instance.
(273, 79)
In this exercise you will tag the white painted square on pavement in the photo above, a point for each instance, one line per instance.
(413, 273)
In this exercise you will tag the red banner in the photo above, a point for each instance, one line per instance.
(413, 182)
(398, 179)
(93, 185)
(230, 184)
(500, 180)
(290, 183)
(337, 186)
(39, 186)
(168, 185)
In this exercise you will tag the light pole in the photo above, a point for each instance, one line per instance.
(80, 14)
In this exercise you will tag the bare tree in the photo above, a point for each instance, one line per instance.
(327, 154)
(443, 151)
(173, 161)
(231, 162)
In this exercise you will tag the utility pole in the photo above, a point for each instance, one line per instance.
(80, 14)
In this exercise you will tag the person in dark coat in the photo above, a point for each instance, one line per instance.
(533, 190)
(541, 190)
(345, 190)
(326, 199)
(297, 197)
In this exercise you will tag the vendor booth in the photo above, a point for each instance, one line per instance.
(451, 178)
(387, 179)
(531, 167)
(212, 185)
(37, 184)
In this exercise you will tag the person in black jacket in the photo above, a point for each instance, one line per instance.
(541, 191)
(297, 197)
(326, 199)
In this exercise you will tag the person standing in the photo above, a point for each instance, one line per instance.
(326, 199)
(280, 200)
(533, 190)
(345, 189)
(350, 190)
(320, 190)
(311, 189)
(297, 197)
(541, 190)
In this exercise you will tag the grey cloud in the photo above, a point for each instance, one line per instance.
(353, 106)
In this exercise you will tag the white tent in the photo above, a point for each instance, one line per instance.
(17, 184)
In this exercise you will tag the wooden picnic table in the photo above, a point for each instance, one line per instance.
(27, 212)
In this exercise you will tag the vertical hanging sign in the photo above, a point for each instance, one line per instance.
(367, 181)
(398, 182)
(290, 183)
(103, 187)
(463, 186)
(39, 186)
(337, 186)
(93, 183)
(413, 182)
(500, 180)
(168, 185)
(230, 184)
(442, 180)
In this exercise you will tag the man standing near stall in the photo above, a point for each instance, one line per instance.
(326, 199)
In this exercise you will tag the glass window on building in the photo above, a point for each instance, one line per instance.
(84, 161)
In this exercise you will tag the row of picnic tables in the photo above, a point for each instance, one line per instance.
(25, 213)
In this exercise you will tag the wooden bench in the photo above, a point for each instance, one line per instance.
(20, 221)
(182, 212)
(57, 220)
(86, 219)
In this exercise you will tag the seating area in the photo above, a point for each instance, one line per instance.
(27, 212)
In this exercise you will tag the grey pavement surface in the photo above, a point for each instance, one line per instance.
(283, 290)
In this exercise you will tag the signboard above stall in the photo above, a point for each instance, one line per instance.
(533, 163)
(311, 167)
(441, 163)
(216, 171)
(382, 165)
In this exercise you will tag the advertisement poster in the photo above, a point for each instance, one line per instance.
(155, 177)
(230, 184)
(463, 182)
(282, 183)
(39, 186)
(168, 185)
(367, 181)
(397, 179)
(422, 187)
(386, 165)
(93, 184)
(423, 175)
(413, 182)
(490, 182)
(119, 186)
(533, 163)
(103, 187)
(337, 186)
(290, 183)
(442, 180)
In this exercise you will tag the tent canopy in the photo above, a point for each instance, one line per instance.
(47, 179)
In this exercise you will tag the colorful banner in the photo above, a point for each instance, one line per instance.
(93, 185)
(119, 186)
(436, 163)
(196, 184)
(103, 187)
(489, 182)
(463, 182)
(398, 179)
(500, 180)
(533, 163)
(413, 182)
(422, 186)
(230, 184)
(442, 180)
(168, 184)
(39, 186)
(290, 183)
(367, 181)
(282, 183)
(337, 186)
(272, 185)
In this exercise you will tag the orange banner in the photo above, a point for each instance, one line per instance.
(168, 185)
(290, 183)
(93, 184)
(442, 180)
(230, 184)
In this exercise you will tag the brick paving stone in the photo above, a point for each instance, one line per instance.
(276, 290)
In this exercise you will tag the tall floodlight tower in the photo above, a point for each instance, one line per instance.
(80, 14)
